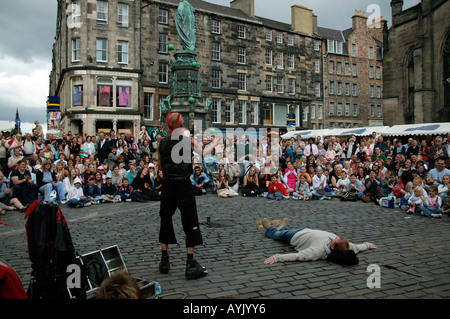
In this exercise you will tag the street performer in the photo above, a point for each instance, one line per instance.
(177, 192)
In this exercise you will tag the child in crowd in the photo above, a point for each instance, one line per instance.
(432, 204)
(91, 190)
(343, 182)
(75, 197)
(389, 179)
(446, 203)
(303, 172)
(399, 188)
(291, 176)
(109, 191)
(415, 200)
(302, 191)
(126, 191)
(444, 186)
(319, 184)
(276, 189)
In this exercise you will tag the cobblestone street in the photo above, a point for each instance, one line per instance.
(235, 248)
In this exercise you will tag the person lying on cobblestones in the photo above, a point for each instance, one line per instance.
(312, 244)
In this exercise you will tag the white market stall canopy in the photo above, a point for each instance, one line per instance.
(357, 131)
(418, 129)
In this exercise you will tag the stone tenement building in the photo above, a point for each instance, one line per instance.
(352, 75)
(111, 65)
(417, 64)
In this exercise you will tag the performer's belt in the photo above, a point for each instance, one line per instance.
(176, 178)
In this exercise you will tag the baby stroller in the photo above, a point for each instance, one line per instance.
(211, 165)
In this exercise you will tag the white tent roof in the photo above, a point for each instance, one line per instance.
(357, 131)
(6, 126)
(418, 129)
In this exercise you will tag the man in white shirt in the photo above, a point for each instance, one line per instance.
(311, 148)
(313, 244)
(319, 182)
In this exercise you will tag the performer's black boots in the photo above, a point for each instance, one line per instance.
(195, 270)
(164, 264)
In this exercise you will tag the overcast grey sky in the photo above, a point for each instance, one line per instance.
(28, 27)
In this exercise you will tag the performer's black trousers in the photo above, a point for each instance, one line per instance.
(178, 193)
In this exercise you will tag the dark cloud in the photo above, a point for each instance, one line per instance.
(27, 28)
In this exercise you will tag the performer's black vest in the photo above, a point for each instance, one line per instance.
(169, 167)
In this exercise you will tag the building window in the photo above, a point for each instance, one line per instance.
(148, 106)
(163, 16)
(216, 79)
(355, 110)
(379, 113)
(123, 93)
(379, 92)
(102, 50)
(215, 51)
(316, 65)
(77, 95)
(355, 89)
(279, 37)
(371, 53)
(268, 57)
(215, 26)
(291, 61)
(268, 114)
(339, 47)
(316, 45)
(242, 112)
(354, 69)
(339, 88)
(378, 73)
(331, 110)
(353, 50)
(279, 60)
(339, 68)
(372, 110)
(229, 111)
(317, 90)
(104, 92)
(122, 15)
(242, 81)
(102, 12)
(242, 30)
(313, 112)
(347, 89)
(331, 89)
(76, 50)
(163, 72)
(371, 91)
(255, 112)
(330, 67)
(76, 12)
(347, 68)
(290, 40)
(162, 43)
(122, 52)
(371, 74)
(291, 86)
(242, 59)
(319, 112)
(215, 110)
(339, 109)
(280, 85)
(268, 35)
(347, 109)
(305, 114)
(269, 83)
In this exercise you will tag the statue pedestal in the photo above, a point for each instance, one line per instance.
(186, 90)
